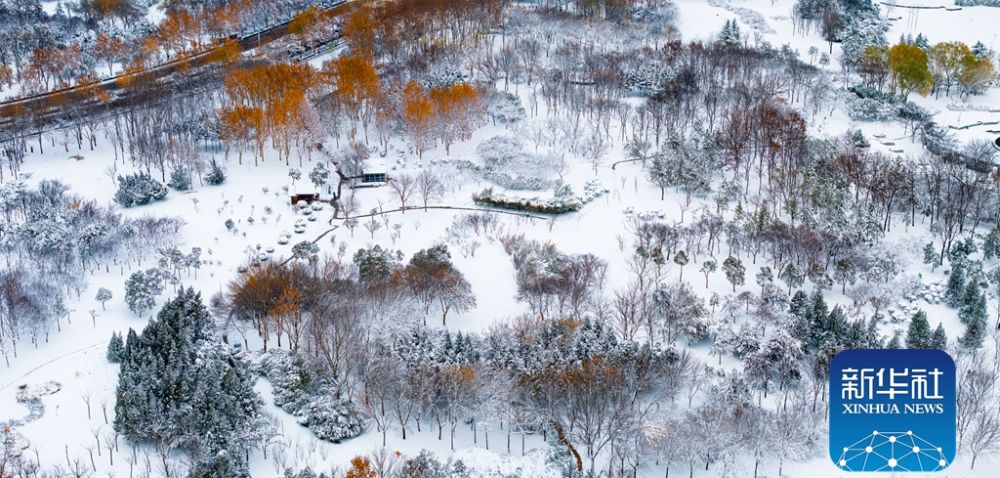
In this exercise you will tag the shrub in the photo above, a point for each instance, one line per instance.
(310, 399)
(180, 178)
(545, 206)
(216, 175)
(138, 189)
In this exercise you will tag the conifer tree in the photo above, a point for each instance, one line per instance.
(116, 348)
(956, 286)
(735, 271)
(180, 178)
(216, 175)
(939, 340)
(894, 342)
(931, 256)
(975, 331)
(181, 387)
(681, 259)
(103, 295)
(972, 306)
(919, 334)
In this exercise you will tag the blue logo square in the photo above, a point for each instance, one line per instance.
(892, 410)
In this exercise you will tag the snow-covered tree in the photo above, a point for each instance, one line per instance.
(141, 290)
(319, 175)
(116, 348)
(180, 386)
(730, 34)
(138, 189)
(735, 271)
(103, 295)
(216, 175)
(180, 178)
(918, 336)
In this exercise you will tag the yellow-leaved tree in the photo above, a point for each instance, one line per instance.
(910, 72)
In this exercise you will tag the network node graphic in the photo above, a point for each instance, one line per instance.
(892, 451)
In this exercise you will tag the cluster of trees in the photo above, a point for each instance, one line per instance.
(553, 283)
(916, 66)
(294, 300)
(269, 102)
(181, 388)
(571, 374)
(965, 295)
(52, 238)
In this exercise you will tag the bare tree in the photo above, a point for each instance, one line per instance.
(429, 186)
(628, 307)
(985, 434)
(403, 186)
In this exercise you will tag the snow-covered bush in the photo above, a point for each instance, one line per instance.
(647, 77)
(870, 109)
(180, 178)
(505, 108)
(506, 164)
(442, 77)
(593, 189)
(978, 3)
(312, 400)
(216, 175)
(138, 189)
(540, 205)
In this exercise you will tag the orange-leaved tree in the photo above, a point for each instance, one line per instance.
(418, 113)
(358, 86)
(454, 108)
(305, 22)
(280, 93)
(110, 48)
(359, 31)
(361, 467)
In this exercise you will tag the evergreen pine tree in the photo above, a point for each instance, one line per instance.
(141, 290)
(975, 331)
(956, 286)
(972, 305)
(991, 244)
(103, 295)
(818, 318)
(180, 178)
(220, 466)
(919, 334)
(180, 386)
(791, 276)
(799, 303)
(894, 343)
(116, 348)
(730, 34)
(931, 257)
(216, 175)
(681, 259)
(939, 340)
(980, 50)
